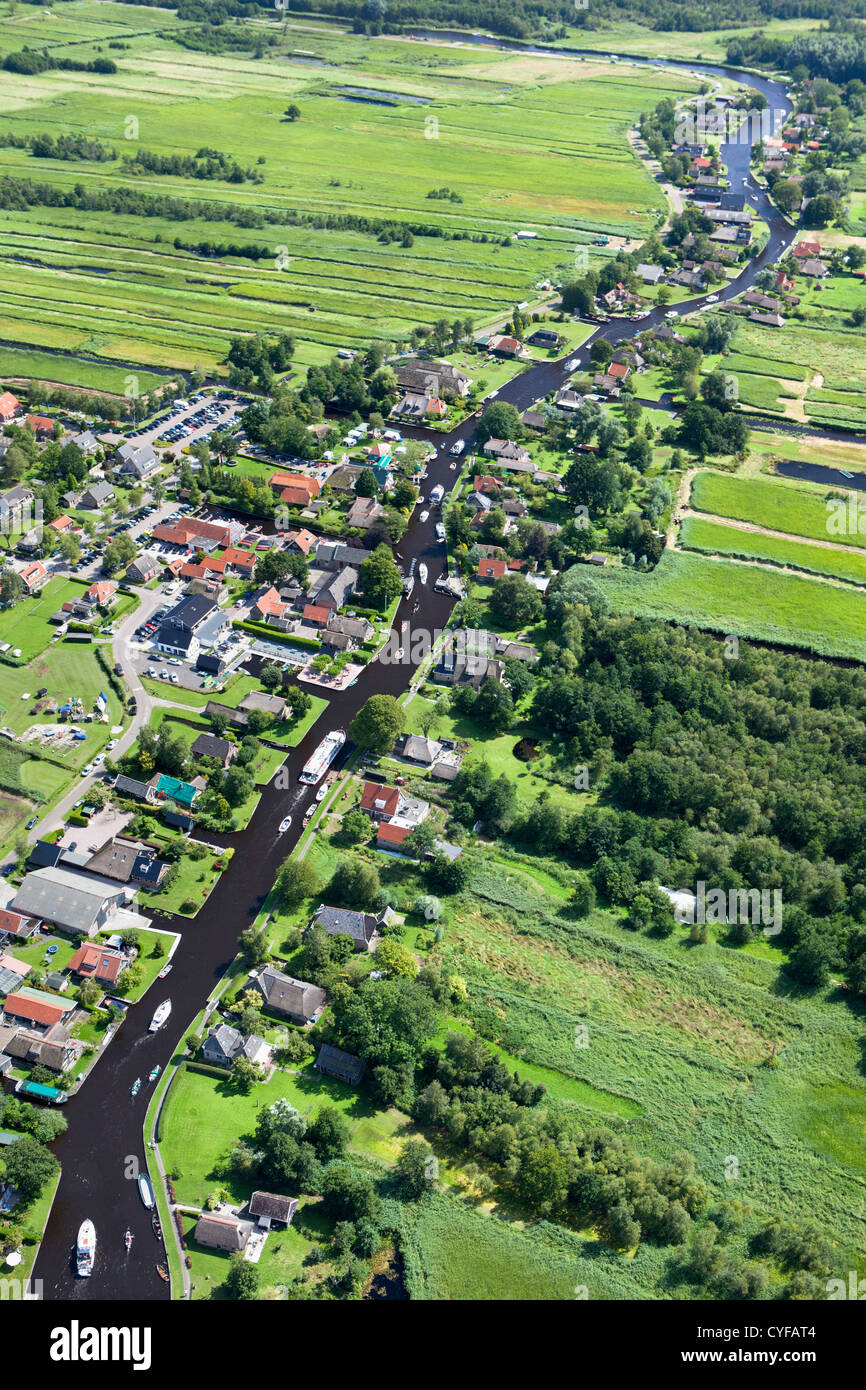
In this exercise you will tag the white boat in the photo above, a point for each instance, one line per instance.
(145, 1190)
(318, 765)
(422, 574)
(85, 1251)
(321, 793)
(284, 824)
(160, 1016)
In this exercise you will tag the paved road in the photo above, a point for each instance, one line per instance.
(105, 1125)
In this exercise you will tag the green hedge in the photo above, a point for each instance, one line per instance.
(288, 638)
(205, 1070)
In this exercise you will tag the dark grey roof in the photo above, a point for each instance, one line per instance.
(271, 1204)
(339, 921)
(44, 855)
(191, 611)
(339, 1063)
(290, 996)
(210, 746)
(178, 638)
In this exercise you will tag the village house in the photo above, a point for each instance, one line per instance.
(295, 489)
(223, 1046)
(96, 496)
(210, 746)
(270, 1207)
(94, 962)
(219, 1231)
(298, 1000)
(364, 511)
(33, 576)
(9, 407)
(338, 921)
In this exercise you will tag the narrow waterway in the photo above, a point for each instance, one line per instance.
(104, 1143)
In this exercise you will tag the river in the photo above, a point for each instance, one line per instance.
(104, 1142)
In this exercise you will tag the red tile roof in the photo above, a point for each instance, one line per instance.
(61, 523)
(270, 602)
(98, 963)
(392, 834)
(8, 405)
(383, 800)
(315, 613)
(310, 486)
(19, 1006)
(11, 921)
(101, 590)
(242, 558)
(491, 569)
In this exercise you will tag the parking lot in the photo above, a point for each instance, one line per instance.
(188, 421)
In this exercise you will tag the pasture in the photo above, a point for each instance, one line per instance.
(541, 148)
(697, 533)
(777, 504)
(746, 600)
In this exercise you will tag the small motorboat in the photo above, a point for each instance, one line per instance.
(85, 1250)
(153, 1073)
(422, 574)
(145, 1191)
(845, 473)
(160, 1016)
(284, 825)
(136, 1087)
(156, 1225)
(322, 792)
(163, 1273)
(127, 1240)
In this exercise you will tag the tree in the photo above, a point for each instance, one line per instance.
(354, 883)
(355, 826)
(499, 421)
(29, 1167)
(11, 586)
(236, 786)
(296, 880)
(118, 553)
(378, 724)
(819, 211)
(788, 193)
(448, 875)
(293, 112)
(396, 959)
(244, 1075)
(380, 577)
(242, 1281)
(514, 602)
(330, 1133)
(416, 1168)
(270, 676)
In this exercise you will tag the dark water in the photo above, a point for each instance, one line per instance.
(104, 1142)
(821, 473)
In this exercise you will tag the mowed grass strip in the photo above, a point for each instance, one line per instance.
(746, 600)
(717, 538)
(775, 504)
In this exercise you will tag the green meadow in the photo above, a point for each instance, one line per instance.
(522, 144)
(717, 538)
(745, 600)
(776, 504)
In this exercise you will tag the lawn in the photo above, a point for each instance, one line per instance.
(25, 625)
(194, 882)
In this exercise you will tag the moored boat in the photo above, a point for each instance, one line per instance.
(136, 1086)
(324, 755)
(145, 1190)
(163, 1273)
(160, 1016)
(153, 1073)
(156, 1226)
(128, 1239)
(85, 1250)
(284, 824)
(422, 575)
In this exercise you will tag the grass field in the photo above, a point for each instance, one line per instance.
(521, 143)
(25, 625)
(723, 596)
(717, 538)
(776, 504)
